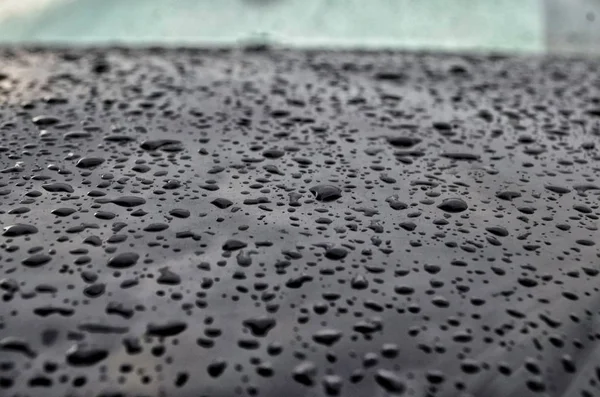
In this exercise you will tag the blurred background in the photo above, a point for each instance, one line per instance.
(530, 26)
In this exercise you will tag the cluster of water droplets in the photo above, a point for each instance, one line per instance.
(195, 223)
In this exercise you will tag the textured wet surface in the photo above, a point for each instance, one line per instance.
(194, 223)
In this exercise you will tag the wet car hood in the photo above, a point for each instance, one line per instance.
(268, 222)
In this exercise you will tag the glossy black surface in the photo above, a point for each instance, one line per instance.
(275, 223)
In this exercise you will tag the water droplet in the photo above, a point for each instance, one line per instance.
(453, 205)
(326, 192)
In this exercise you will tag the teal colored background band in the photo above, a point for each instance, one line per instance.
(532, 26)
